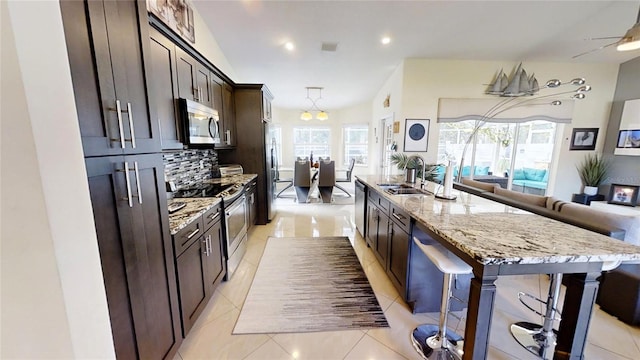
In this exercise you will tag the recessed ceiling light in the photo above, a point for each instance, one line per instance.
(385, 40)
(289, 46)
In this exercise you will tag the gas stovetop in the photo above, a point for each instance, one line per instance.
(227, 192)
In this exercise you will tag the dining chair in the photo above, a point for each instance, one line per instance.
(278, 180)
(326, 179)
(347, 178)
(302, 179)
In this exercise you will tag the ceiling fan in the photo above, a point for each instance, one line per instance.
(630, 40)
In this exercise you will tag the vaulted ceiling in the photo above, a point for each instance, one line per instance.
(252, 35)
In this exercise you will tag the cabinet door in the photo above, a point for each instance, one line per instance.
(228, 118)
(203, 84)
(165, 89)
(399, 242)
(191, 279)
(214, 258)
(114, 109)
(186, 69)
(382, 246)
(372, 226)
(136, 254)
(216, 94)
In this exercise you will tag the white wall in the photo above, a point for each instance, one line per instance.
(393, 88)
(208, 46)
(424, 81)
(53, 299)
(287, 119)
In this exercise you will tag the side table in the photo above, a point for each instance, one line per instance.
(586, 199)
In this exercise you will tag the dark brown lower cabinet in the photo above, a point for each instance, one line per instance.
(200, 265)
(131, 219)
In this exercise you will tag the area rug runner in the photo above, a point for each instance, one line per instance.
(306, 285)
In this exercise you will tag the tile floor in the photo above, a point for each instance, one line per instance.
(211, 336)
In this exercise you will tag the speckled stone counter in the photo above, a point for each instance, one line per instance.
(495, 240)
(494, 233)
(197, 206)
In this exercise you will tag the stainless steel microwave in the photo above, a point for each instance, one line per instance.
(200, 124)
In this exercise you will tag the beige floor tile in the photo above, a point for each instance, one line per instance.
(270, 350)
(379, 280)
(217, 306)
(237, 287)
(370, 349)
(606, 332)
(397, 336)
(596, 352)
(211, 336)
(319, 345)
(214, 340)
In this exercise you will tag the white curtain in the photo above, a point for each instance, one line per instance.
(504, 110)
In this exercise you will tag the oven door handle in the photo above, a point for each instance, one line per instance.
(236, 204)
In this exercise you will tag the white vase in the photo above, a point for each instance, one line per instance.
(590, 190)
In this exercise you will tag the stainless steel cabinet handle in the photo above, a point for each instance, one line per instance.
(399, 217)
(135, 169)
(128, 180)
(213, 216)
(206, 247)
(120, 127)
(133, 135)
(193, 233)
(228, 135)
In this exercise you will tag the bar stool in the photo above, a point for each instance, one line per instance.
(429, 340)
(538, 339)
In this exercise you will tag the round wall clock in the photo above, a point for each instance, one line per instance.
(416, 135)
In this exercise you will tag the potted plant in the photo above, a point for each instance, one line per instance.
(401, 159)
(593, 171)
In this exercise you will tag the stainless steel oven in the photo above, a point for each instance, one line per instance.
(236, 230)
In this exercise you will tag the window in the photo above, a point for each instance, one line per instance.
(316, 140)
(493, 148)
(356, 144)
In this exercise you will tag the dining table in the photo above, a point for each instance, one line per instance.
(499, 240)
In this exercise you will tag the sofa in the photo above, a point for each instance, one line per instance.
(529, 180)
(623, 304)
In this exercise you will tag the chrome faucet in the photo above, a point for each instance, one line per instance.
(423, 167)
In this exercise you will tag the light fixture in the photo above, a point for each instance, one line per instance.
(289, 46)
(320, 114)
(630, 40)
(521, 90)
(385, 40)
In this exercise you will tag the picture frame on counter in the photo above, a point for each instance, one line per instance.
(583, 139)
(416, 135)
(620, 194)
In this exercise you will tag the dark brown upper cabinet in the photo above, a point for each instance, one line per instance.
(108, 47)
(193, 79)
(165, 89)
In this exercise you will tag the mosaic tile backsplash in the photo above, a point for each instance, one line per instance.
(189, 167)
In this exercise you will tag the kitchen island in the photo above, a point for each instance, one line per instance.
(496, 240)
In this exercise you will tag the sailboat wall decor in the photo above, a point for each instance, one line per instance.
(520, 84)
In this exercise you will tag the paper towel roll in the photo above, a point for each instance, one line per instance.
(448, 181)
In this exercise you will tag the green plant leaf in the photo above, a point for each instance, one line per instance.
(593, 170)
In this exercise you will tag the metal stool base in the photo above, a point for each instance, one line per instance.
(531, 337)
(453, 351)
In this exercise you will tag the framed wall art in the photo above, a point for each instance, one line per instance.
(416, 135)
(583, 139)
(623, 194)
(629, 134)
(176, 14)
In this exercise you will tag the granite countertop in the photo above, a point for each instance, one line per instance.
(197, 206)
(494, 233)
